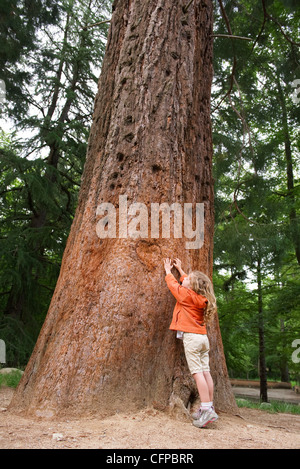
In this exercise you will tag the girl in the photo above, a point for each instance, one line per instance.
(195, 305)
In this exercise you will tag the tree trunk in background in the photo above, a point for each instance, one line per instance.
(105, 344)
(294, 226)
(261, 337)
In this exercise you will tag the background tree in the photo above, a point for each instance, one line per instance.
(49, 71)
(256, 126)
(19, 29)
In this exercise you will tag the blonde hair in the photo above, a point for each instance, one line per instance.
(202, 285)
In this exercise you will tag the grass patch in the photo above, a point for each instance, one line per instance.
(10, 379)
(273, 406)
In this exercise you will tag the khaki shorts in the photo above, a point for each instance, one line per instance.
(196, 348)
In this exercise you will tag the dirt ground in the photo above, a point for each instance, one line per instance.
(148, 429)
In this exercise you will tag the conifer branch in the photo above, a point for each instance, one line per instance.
(267, 15)
(234, 56)
(95, 24)
(233, 37)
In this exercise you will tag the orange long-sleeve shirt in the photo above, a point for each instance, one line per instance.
(188, 314)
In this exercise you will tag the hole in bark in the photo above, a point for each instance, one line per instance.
(129, 137)
(120, 156)
(193, 397)
(111, 187)
(156, 168)
(174, 55)
(188, 35)
(128, 120)
(184, 21)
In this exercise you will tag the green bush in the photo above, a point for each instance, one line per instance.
(272, 407)
(11, 379)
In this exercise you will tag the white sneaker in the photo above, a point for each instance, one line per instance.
(206, 416)
(196, 415)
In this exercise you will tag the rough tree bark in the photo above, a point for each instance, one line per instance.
(105, 344)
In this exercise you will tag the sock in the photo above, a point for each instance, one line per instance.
(206, 405)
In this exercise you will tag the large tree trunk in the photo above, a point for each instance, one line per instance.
(105, 344)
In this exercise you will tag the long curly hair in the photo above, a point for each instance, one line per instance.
(202, 285)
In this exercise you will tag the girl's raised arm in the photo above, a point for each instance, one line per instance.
(177, 264)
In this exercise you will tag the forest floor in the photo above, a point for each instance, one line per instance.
(148, 429)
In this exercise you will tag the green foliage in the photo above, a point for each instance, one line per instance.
(271, 407)
(256, 155)
(10, 379)
(30, 252)
(50, 68)
(19, 26)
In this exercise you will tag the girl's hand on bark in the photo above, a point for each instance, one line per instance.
(177, 263)
(168, 265)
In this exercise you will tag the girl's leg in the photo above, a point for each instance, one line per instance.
(210, 384)
(206, 412)
(202, 386)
